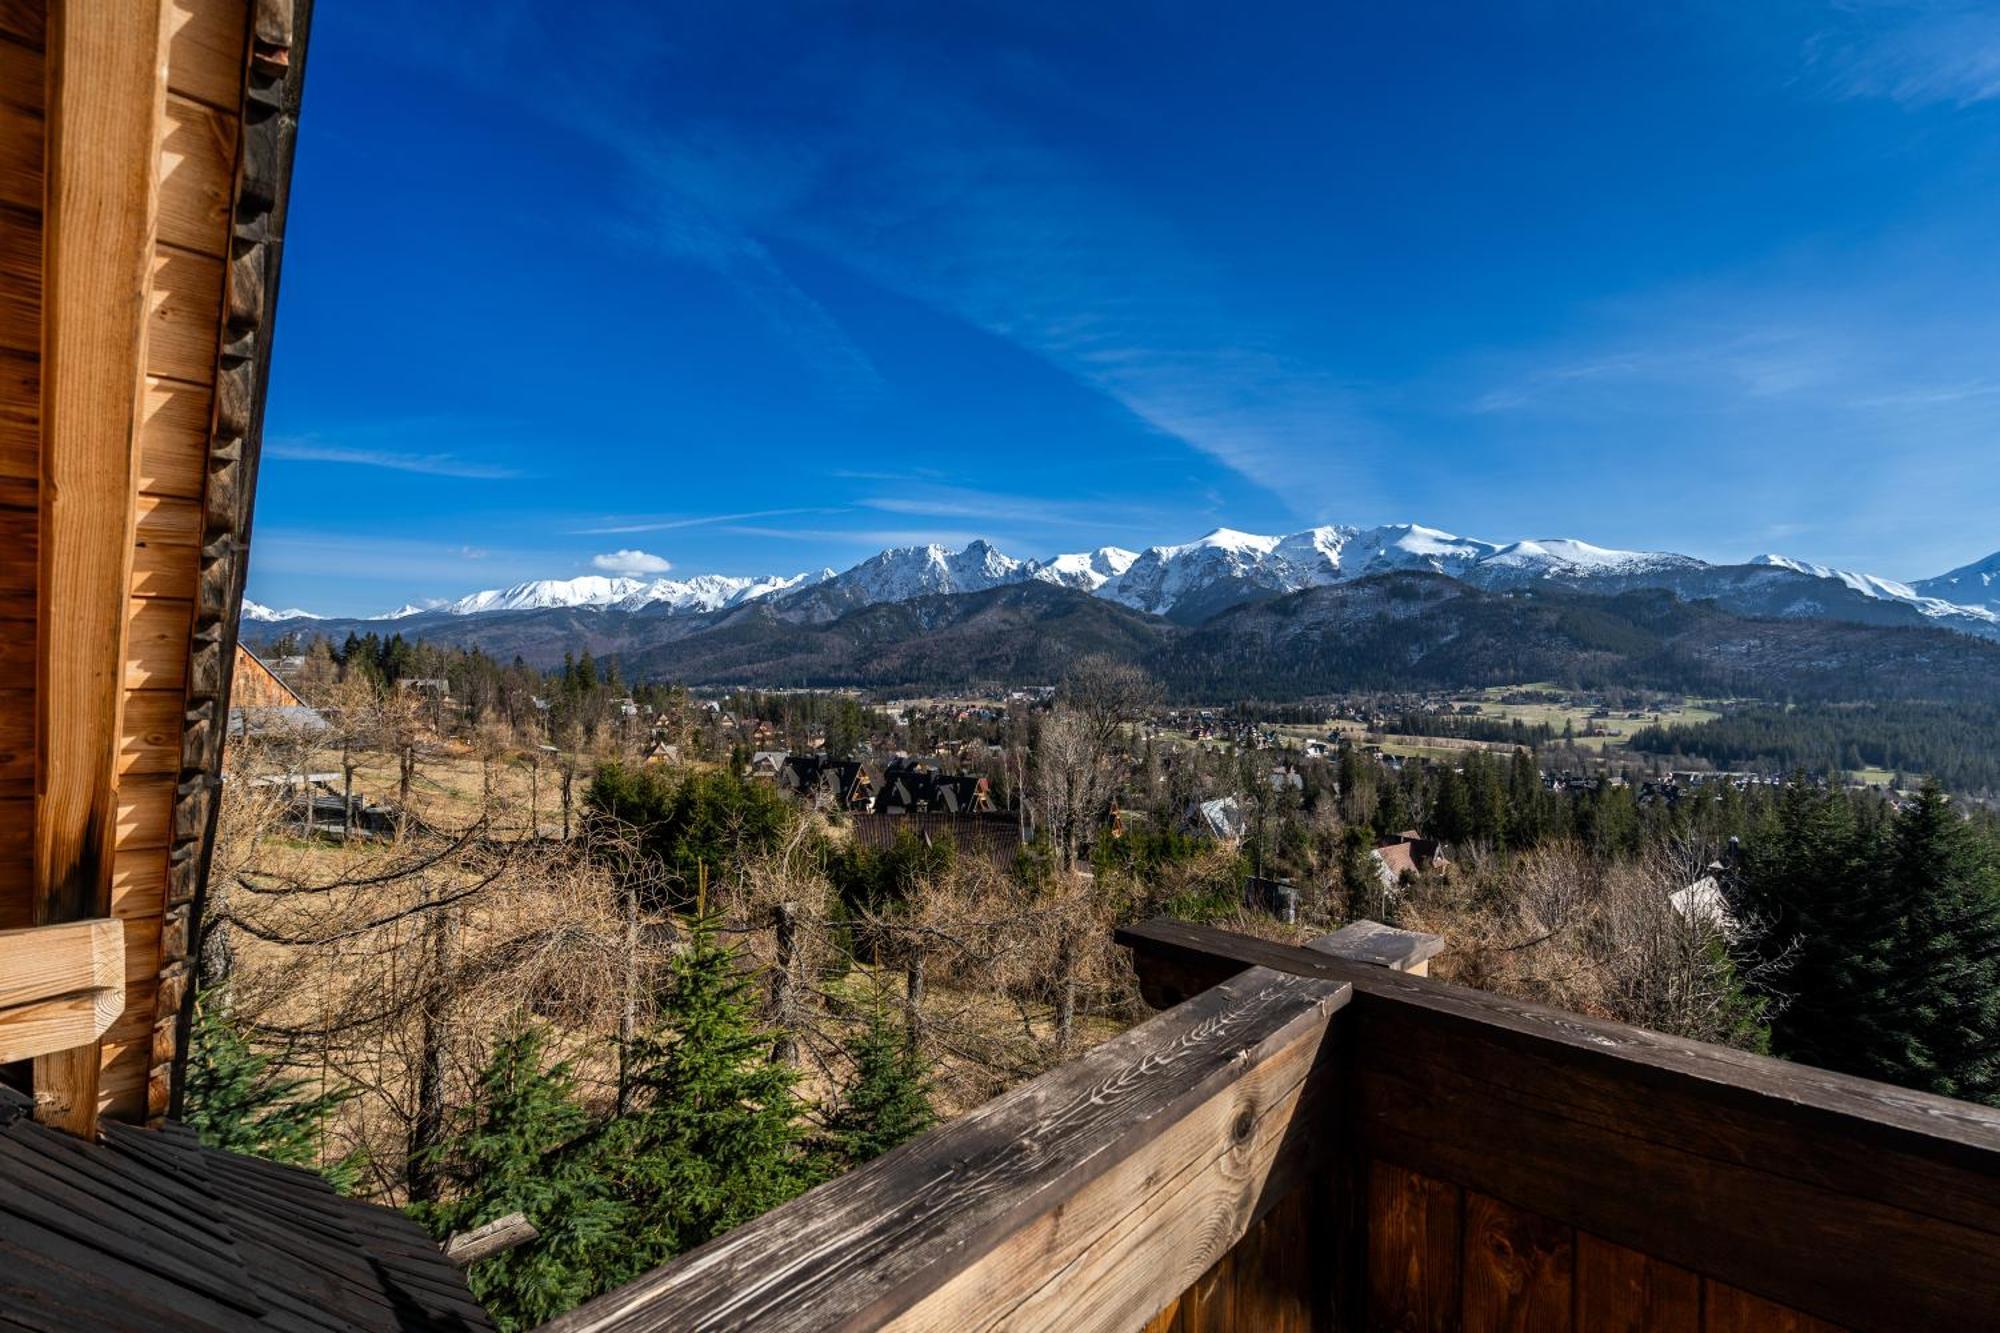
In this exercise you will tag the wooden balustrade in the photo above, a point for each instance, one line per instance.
(1304, 1141)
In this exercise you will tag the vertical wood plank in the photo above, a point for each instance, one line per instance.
(1413, 1252)
(1732, 1310)
(1275, 1284)
(1623, 1291)
(107, 91)
(1520, 1269)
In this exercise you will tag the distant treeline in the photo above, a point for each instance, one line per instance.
(1467, 726)
(1957, 744)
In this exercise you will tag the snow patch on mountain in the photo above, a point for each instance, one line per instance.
(258, 611)
(1088, 570)
(1976, 584)
(1888, 590)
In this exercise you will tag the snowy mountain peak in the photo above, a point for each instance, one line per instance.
(258, 611)
(1088, 570)
(1194, 580)
(1977, 584)
(1888, 590)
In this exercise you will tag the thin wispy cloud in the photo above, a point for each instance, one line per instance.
(1918, 53)
(863, 538)
(702, 521)
(427, 464)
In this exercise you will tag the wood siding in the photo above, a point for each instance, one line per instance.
(22, 135)
(202, 241)
(1510, 1152)
(1441, 1257)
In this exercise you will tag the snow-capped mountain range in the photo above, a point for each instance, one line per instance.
(1194, 580)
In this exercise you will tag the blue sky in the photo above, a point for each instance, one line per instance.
(756, 288)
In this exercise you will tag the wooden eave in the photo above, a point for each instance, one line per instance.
(128, 461)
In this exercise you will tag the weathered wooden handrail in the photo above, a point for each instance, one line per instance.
(1861, 1203)
(1084, 1199)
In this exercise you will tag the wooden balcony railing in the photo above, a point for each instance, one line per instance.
(1302, 1141)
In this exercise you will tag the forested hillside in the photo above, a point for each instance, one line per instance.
(1959, 744)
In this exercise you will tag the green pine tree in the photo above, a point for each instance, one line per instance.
(714, 1137)
(1883, 943)
(241, 1101)
(1936, 1022)
(524, 1146)
(885, 1102)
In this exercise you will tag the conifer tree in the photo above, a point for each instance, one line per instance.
(1936, 1025)
(241, 1101)
(886, 1102)
(524, 1146)
(1886, 942)
(713, 1139)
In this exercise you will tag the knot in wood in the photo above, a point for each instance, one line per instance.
(1240, 1127)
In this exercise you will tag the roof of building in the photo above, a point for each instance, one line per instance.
(149, 1229)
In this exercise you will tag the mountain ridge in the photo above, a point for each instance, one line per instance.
(1189, 582)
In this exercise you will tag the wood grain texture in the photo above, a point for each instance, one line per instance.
(106, 61)
(22, 148)
(138, 884)
(1834, 1196)
(1868, 1116)
(1874, 1265)
(970, 1223)
(1270, 1280)
(173, 439)
(20, 281)
(20, 417)
(197, 176)
(156, 644)
(1728, 1310)
(186, 307)
(1520, 1269)
(25, 21)
(205, 51)
(17, 861)
(145, 813)
(61, 986)
(161, 569)
(17, 735)
(1619, 1290)
(20, 76)
(1414, 1252)
(151, 744)
(167, 520)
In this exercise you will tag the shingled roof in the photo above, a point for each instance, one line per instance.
(149, 1229)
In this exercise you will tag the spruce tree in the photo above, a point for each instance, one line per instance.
(1937, 1024)
(241, 1101)
(886, 1102)
(713, 1139)
(524, 1146)
(1882, 944)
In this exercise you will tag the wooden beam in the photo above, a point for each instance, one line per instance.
(1372, 942)
(1843, 1198)
(466, 1248)
(1086, 1199)
(60, 986)
(106, 94)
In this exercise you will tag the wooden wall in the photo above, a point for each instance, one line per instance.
(1444, 1258)
(1509, 1165)
(22, 134)
(198, 158)
(198, 153)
